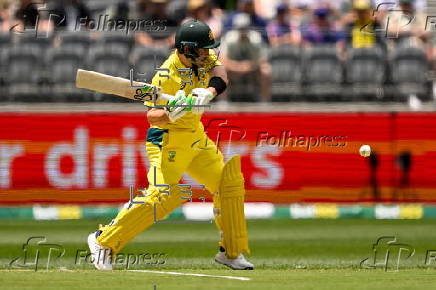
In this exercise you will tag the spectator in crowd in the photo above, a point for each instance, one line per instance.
(256, 22)
(7, 19)
(419, 5)
(407, 26)
(121, 11)
(71, 11)
(361, 28)
(27, 13)
(267, 9)
(161, 32)
(46, 24)
(203, 10)
(321, 30)
(226, 4)
(280, 30)
(301, 15)
(244, 55)
(177, 10)
(138, 9)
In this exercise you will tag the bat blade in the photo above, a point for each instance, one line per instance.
(107, 84)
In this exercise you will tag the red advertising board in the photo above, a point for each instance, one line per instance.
(286, 157)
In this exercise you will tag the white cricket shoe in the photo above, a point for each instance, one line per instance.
(100, 256)
(240, 263)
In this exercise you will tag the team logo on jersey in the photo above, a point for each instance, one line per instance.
(171, 156)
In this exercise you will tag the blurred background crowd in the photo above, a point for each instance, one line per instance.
(275, 50)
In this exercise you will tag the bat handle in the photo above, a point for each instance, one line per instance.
(165, 97)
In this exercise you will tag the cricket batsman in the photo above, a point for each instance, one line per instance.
(176, 143)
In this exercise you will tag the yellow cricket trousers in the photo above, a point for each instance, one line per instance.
(171, 152)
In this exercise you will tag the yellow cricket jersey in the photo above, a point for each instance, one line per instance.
(363, 37)
(173, 76)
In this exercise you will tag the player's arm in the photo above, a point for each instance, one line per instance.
(218, 80)
(161, 116)
(158, 117)
(217, 85)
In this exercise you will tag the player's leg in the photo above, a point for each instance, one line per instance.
(235, 238)
(265, 81)
(226, 183)
(206, 168)
(162, 196)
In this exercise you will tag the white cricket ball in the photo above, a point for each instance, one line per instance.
(365, 150)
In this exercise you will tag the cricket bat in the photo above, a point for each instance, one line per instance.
(107, 84)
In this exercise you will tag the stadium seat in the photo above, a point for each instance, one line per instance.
(40, 43)
(3, 88)
(177, 9)
(245, 89)
(118, 39)
(323, 74)
(24, 74)
(100, 6)
(286, 72)
(365, 72)
(110, 60)
(410, 70)
(74, 39)
(145, 61)
(5, 41)
(62, 64)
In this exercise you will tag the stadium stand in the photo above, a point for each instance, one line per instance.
(118, 39)
(5, 40)
(323, 72)
(365, 72)
(287, 72)
(245, 89)
(24, 74)
(74, 39)
(4, 45)
(410, 70)
(298, 72)
(145, 61)
(111, 60)
(37, 42)
(64, 62)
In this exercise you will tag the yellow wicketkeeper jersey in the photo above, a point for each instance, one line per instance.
(173, 76)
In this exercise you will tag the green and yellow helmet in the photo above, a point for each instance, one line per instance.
(195, 34)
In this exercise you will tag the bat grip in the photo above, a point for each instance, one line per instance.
(166, 97)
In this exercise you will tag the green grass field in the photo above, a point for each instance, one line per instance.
(288, 254)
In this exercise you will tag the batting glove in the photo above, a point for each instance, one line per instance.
(200, 96)
(175, 112)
